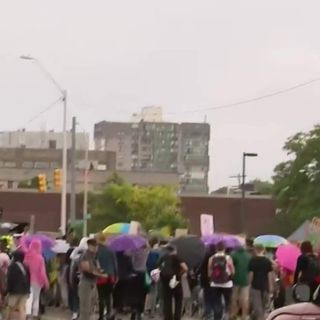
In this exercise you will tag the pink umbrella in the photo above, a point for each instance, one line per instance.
(287, 256)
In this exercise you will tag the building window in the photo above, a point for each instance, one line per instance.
(41, 165)
(54, 165)
(9, 164)
(10, 184)
(27, 164)
(52, 144)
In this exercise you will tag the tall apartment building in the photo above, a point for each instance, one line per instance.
(159, 147)
(40, 139)
(148, 114)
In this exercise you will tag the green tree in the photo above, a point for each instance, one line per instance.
(29, 184)
(154, 207)
(297, 180)
(262, 187)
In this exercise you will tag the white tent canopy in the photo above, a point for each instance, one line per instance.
(302, 233)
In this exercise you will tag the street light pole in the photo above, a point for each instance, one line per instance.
(243, 190)
(63, 213)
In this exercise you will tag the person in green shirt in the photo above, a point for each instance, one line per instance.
(241, 290)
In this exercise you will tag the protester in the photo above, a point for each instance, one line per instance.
(261, 281)
(68, 279)
(138, 283)
(205, 282)
(18, 287)
(108, 264)
(125, 271)
(250, 247)
(220, 272)
(308, 267)
(171, 269)
(38, 277)
(89, 273)
(4, 264)
(74, 277)
(241, 290)
(152, 264)
(63, 285)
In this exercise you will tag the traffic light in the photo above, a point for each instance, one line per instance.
(57, 178)
(42, 183)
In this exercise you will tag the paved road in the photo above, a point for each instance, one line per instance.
(56, 314)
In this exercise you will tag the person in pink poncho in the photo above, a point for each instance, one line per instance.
(35, 262)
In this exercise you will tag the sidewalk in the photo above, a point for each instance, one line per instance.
(56, 314)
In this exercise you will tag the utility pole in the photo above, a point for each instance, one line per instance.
(85, 193)
(245, 155)
(73, 174)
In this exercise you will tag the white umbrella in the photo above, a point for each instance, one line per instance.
(61, 246)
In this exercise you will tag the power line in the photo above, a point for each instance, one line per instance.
(51, 105)
(254, 99)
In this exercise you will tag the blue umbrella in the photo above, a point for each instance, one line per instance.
(270, 241)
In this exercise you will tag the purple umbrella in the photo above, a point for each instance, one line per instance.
(46, 242)
(229, 241)
(126, 242)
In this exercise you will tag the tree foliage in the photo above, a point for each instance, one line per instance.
(297, 180)
(262, 187)
(29, 184)
(154, 207)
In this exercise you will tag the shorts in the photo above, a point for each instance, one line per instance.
(17, 301)
(240, 295)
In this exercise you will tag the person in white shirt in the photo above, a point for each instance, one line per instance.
(220, 271)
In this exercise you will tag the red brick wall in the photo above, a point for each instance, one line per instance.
(260, 212)
(19, 206)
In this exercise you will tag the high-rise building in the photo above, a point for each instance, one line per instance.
(148, 114)
(159, 147)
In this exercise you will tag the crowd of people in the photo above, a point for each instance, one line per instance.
(152, 281)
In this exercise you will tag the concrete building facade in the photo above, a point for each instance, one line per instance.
(159, 147)
(17, 165)
(40, 139)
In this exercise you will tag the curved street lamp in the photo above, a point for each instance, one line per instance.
(63, 213)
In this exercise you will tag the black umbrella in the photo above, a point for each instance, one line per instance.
(191, 250)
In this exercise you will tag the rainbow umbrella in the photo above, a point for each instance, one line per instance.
(270, 241)
(117, 228)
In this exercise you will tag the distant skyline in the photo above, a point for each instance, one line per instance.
(115, 57)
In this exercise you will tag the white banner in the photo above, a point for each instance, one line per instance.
(207, 224)
(135, 228)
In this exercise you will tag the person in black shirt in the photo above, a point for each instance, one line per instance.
(307, 270)
(205, 281)
(261, 281)
(18, 286)
(171, 269)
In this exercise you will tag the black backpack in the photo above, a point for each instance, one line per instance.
(312, 272)
(219, 269)
(167, 268)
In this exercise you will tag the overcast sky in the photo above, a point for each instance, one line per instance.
(114, 57)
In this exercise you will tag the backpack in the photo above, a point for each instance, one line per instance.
(219, 270)
(167, 269)
(312, 272)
